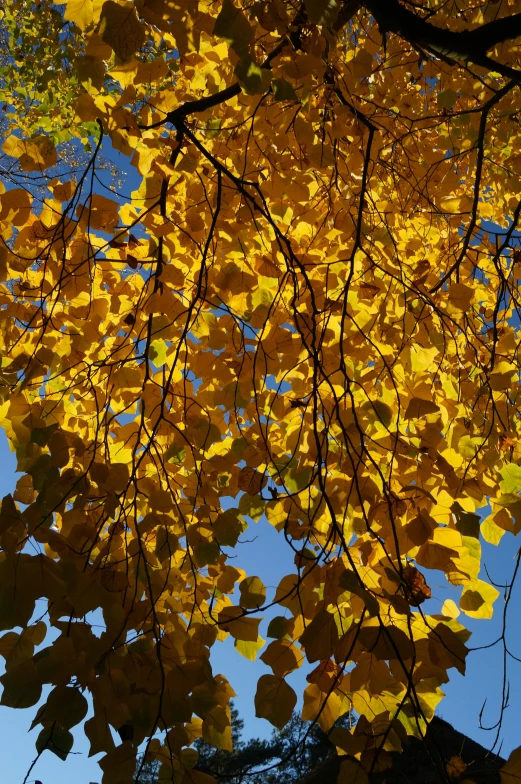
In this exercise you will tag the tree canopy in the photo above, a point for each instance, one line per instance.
(305, 312)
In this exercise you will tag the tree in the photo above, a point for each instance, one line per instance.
(290, 753)
(300, 747)
(147, 771)
(306, 311)
(236, 765)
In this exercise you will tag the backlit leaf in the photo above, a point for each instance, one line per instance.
(240, 626)
(253, 593)
(274, 700)
(511, 770)
(121, 28)
(477, 599)
(56, 739)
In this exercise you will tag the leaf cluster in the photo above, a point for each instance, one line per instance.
(304, 313)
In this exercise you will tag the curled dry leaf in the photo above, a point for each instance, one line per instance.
(415, 585)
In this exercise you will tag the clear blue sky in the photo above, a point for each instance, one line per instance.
(269, 557)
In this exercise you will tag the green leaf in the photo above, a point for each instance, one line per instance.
(469, 445)
(213, 128)
(296, 480)
(176, 454)
(507, 499)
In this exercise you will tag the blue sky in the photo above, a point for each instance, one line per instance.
(266, 554)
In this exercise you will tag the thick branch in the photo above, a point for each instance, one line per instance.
(465, 45)
(346, 13)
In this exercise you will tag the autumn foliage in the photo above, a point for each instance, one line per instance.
(305, 313)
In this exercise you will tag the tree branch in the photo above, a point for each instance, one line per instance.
(465, 45)
(177, 116)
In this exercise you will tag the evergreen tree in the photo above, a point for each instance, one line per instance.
(289, 754)
(148, 773)
(299, 748)
(234, 766)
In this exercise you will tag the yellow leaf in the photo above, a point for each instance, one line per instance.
(324, 708)
(456, 204)
(351, 772)
(274, 700)
(253, 593)
(320, 637)
(82, 12)
(418, 407)
(438, 552)
(490, 531)
(232, 25)
(249, 649)
(455, 767)
(121, 29)
(240, 626)
(217, 730)
(22, 686)
(34, 154)
(477, 599)
(251, 481)
(65, 705)
(98, 732)
(461, 296)
(283, 657)
(511, 771)
(450, 609)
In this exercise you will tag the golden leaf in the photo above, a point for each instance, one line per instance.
(121, 29)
